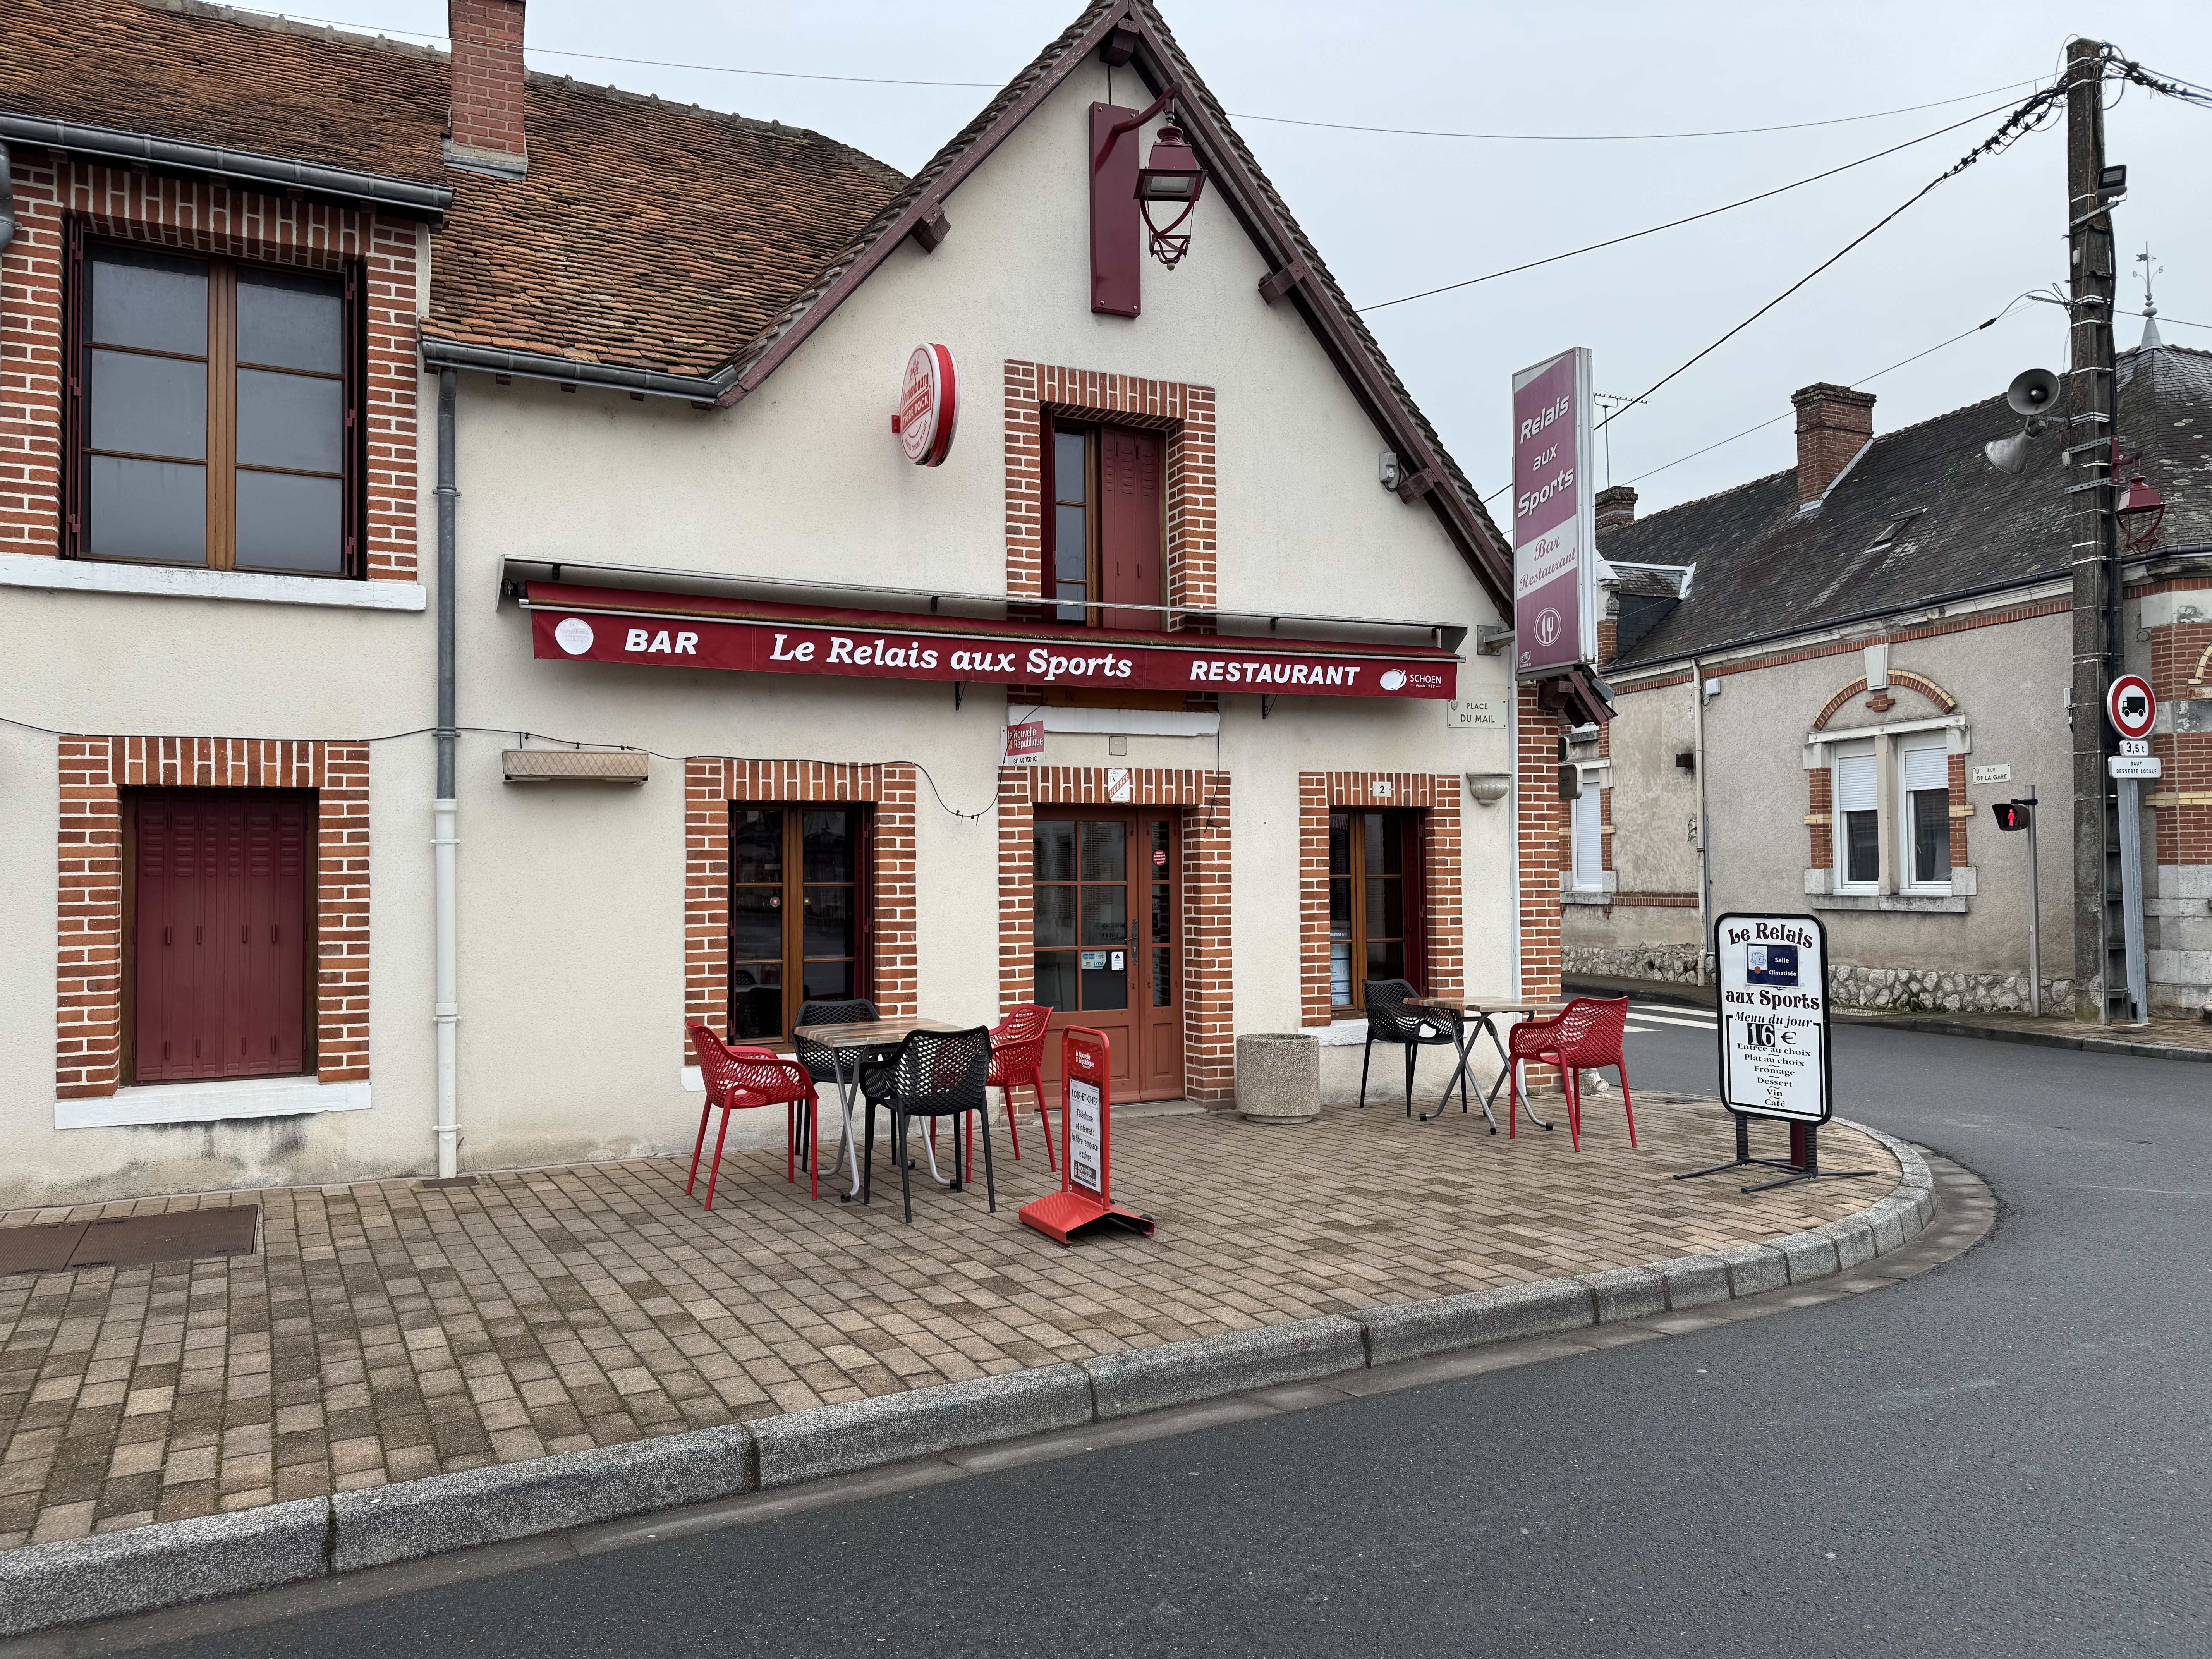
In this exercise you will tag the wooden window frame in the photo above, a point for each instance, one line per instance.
(861, 838)
(1411, 826)
(1093, 610)
(222, 366)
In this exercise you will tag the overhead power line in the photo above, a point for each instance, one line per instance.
(1653, 230)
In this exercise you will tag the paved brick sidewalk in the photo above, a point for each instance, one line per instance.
(390, 1330)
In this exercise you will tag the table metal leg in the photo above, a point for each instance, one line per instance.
(850, 1146)
(1461, 1046)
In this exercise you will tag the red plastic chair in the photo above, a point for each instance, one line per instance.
(736, 1078)
(1017, 1057)
(1587, 1034)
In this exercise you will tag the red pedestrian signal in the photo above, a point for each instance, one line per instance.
(2010, 814)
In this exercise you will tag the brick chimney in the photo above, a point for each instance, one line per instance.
(484, 129)
(1833, 424)
(1616, 506)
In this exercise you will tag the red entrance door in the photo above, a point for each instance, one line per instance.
(219, 892)
(1109, 940)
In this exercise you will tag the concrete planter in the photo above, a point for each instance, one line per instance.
(1279, 1077)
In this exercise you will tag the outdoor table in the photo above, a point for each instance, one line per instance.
(1485, 1012)
(869, 1044)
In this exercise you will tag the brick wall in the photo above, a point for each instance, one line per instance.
(1821, 819)
(1962, 811)
(89, 992)
(2180, 670)
(487, 67)
(1437, 795)
(1542, 827)
(1209, 1037)
(195, 218)
(1184, 413)
(710, 784)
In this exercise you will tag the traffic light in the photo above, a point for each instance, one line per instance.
(2010, 814)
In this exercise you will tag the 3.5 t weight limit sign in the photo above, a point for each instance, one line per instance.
(1774, 1015)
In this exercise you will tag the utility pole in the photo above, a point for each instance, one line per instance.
(2100, 979)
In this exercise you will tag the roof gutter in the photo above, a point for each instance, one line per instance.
(272, 172)
(702, 390)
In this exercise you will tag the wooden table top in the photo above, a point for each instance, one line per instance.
(1480, 1004)
(872, 1033)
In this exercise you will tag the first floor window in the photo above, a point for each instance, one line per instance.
(1375, 911)
(799, 901)
(218, 968)
(1924, 786)
(213, 418)
(1107, 526)
(1858, 821)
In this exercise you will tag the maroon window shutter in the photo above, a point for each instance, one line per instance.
(1130, 525)
(76, 295)
(1414, 828)
(158, 953)
(1117, 248)
(864, 906)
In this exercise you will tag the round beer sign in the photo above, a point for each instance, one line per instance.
(929, 405)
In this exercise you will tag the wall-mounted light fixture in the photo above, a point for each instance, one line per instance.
(1172, 177)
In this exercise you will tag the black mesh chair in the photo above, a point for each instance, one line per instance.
(820, 1062)
(934, 1074)
(1389, 1020)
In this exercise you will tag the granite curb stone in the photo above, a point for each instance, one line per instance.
(1205, 1367)
(861, 1434)
(1413, 1330)
(170, 1564)
(500, 1501)
(144, 1568)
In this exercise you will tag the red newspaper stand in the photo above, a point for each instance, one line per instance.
(1085, 1198)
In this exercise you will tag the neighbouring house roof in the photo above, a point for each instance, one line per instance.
(1766, 569)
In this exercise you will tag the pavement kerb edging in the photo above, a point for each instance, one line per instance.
(2037, 1039)
(169, 1563)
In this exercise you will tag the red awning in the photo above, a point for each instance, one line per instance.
(703, 630)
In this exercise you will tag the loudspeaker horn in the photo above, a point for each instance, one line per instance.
(2030, 392)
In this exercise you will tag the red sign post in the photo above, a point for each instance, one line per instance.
(1085, 1197)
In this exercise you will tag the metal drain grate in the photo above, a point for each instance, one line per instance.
(128, 1241)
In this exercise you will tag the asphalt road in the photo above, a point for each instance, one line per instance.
(2010, 1454)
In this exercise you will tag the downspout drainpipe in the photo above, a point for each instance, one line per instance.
(446, 808)
(7, 203)
(1705, 825)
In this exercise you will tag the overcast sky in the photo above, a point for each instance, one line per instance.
(1395, 214)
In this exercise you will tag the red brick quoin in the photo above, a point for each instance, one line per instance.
(194, 218)
(88, 991)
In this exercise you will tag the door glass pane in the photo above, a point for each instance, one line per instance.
(1385, 908)
(140, 298)
(1163, 913)
(1105, 988)
(829, 982)
(293, 421)
(1105, 918)
(1054, 915)
(287, 522)
(1339, 843)
(1384, 843)
(1070, 556)
(757, 925)
(829, 926)
(1053, 843)
(147, 510)
(757, 844)
(1162, 978)
(1070, 478)
(1340, 971)
(1386, 959)
(149, 405)
(290, 320)
(1055, 979)
(829, 846)
(1106, 851)
(756, 1003)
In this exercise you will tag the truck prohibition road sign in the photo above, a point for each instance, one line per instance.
(2130, 706)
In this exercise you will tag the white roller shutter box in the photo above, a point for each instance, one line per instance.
(1590, 845)
(1855, 783)
(1925, 769)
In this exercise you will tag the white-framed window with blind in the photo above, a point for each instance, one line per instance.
(1588, 838)
(1924, 797)
(1855, 791)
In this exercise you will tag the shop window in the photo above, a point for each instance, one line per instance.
(1859, 820)
(1589, 839)
(218, 939)
(800, 906)
(1106, 532)
(214, 414)
(1924, 790)
(1375, 913)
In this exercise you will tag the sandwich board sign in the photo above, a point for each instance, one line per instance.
(1772, 972)
(1085, 1198)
